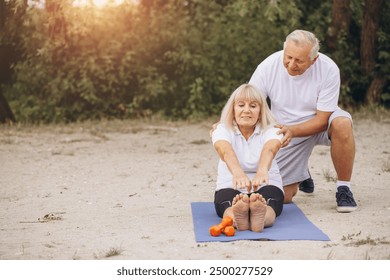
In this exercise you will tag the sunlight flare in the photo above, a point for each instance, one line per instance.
(98, 3)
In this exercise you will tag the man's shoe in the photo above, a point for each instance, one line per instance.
(307, 185)
(345, 201)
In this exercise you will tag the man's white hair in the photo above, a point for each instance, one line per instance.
(303, 37)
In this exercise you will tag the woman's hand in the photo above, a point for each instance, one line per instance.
(286, 131)
(261, 178)
(241, 181)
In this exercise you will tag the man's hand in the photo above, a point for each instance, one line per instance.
(286, 131)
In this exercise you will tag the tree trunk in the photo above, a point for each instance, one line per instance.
(2, 14)
(341, 18)
(368, 53)
(6, 56)
(375, 90)
(57, 27)
(370, 26)
(6, 115)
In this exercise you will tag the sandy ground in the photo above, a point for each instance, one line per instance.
(122, 190)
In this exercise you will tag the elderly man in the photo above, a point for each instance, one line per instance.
(303, 87)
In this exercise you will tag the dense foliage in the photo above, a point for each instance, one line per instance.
(178, 58)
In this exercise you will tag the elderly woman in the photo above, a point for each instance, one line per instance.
(249, 186)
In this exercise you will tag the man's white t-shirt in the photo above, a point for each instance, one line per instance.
(248, 154)
(295, 99)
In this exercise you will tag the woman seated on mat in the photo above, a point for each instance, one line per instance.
(249, 186)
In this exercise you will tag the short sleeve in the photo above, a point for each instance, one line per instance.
(330, 87)
(221, 133)
(258, 79)
(270, 134)
(262, 78)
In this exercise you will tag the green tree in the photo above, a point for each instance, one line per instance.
(8, 55)
(181, 59)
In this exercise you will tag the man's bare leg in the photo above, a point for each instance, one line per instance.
(342, 148)
(289, 192)
(343, 155)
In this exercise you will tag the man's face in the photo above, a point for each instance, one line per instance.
(296, 58)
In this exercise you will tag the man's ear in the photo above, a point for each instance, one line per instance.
(315, 59)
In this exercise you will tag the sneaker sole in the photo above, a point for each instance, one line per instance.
(345, 209)
(306, 194)
(306, 191)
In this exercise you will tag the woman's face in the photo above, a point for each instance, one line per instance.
(246, 112)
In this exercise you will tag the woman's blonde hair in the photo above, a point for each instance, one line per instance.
(247, 92)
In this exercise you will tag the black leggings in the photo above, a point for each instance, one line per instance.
(273, 195)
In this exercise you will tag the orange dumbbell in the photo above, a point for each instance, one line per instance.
(224, 227)
(229, 231)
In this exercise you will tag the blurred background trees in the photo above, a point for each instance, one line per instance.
(61, 62)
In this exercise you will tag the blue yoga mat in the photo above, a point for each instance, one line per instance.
(292, 224)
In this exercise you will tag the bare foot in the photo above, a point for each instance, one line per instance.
(258, 208)
(241, 211)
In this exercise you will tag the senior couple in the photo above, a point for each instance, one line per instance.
(264, 153)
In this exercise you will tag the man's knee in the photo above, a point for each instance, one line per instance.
(341, 127)
(341, 123)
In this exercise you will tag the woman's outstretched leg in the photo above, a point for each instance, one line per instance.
(240, 210)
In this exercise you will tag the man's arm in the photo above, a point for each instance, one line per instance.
(313, 126)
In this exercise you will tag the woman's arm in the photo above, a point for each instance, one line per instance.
(227, 154)
(268, 153)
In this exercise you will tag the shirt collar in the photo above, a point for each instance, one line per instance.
(238, 132)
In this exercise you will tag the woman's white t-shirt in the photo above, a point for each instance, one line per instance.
(248, 154)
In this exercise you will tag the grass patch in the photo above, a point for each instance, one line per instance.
(369, 241)
(373, 113)
(386, 166)
(364, 241)
(328, 175)
(200, 142)
(113, 252)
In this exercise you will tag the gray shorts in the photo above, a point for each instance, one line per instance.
(293, 160)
